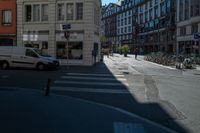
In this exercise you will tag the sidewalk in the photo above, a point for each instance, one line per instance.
(31, 112)
(141, 58)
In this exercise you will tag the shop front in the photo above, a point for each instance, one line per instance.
(7, 41)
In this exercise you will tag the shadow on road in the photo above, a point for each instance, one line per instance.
(152, 111)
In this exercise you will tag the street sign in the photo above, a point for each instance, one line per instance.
(66, 26)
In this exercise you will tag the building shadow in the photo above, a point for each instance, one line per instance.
(153, 111)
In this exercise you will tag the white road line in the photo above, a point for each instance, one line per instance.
(98, 75)
(73, 89)
(93, 78)
(120, 127)
(90, 83)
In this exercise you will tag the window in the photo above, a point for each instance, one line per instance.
(195, 8)
(75, 51)
(129, 20)
(168, 3)
(156, 2)
(181, 10)
(151, 14)
(141, 18)
(7, 17)
(182, 31)
(146, 16)
(163, 8)
(45, 10)
(125, 21)
(129, 29)
(79, 11)
(151, 3)
(156, 11)
(30, 53)
(70, 11)
(36, 12)
(60, 12)
(186, 9)
(28, 11)
(194, 28)
(44, 45)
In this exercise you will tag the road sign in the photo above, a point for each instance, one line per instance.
(66, 26)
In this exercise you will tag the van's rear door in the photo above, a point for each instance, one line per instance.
(17, 57)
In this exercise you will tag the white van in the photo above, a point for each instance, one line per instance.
(25, 57)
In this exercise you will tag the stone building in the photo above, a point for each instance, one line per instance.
(39, 24)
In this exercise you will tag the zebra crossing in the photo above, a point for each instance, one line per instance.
(91, 83)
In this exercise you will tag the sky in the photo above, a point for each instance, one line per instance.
(108, 1)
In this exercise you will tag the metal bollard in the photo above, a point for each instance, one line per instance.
(47, 89)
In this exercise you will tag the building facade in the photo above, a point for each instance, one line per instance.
(156, 26)
(188, 25)
(125, 23)
(7, 22)
(109, 20)
(118, 18)
(39, 24)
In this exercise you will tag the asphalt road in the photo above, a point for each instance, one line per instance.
(163, 95)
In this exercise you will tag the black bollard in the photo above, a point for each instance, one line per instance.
(47, 89)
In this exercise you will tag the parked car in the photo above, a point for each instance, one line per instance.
(26, 57)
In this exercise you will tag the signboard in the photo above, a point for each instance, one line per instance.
(66, 26)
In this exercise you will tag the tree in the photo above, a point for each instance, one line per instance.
(125, 49)
(103, 39)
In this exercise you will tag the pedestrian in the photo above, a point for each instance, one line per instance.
(136, 53)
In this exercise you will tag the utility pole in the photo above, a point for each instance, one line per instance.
(66, 28)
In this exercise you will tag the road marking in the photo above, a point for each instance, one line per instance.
(90, 83)
(93, 90)
(120, 127)
(98, 75)
(93, 78)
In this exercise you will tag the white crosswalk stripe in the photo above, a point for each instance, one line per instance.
(97, 75)
(93, 78)
(94, 90)
(90, 83)
(96, 83)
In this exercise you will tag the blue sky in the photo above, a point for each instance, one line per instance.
(108, 1)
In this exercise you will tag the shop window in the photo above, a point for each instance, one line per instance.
(6, 42)
(44, 45)
(75, 50)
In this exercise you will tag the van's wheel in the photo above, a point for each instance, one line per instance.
(40, 66)
(5, 65)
